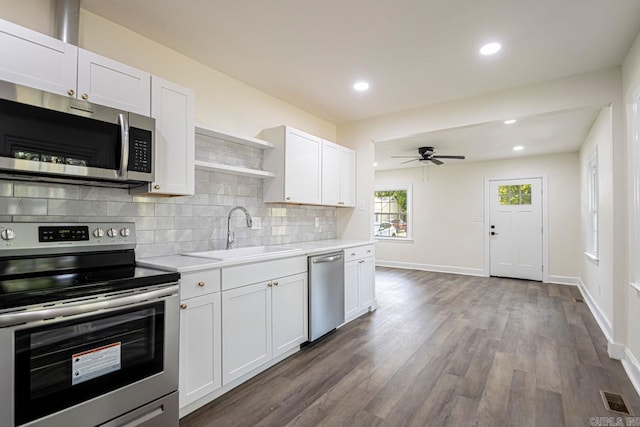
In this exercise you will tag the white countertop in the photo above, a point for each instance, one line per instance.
(186, 264)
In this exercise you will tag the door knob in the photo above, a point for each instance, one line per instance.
(493, 233)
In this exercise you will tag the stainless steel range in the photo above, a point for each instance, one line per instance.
(86, 337)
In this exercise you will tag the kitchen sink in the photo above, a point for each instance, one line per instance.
(249, 252)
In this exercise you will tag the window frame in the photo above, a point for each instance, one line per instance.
(408, 213)
(592, 237)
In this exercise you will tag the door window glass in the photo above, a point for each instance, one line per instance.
(514, 194)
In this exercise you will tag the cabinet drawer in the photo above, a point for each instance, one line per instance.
(242, 275)
(199, 283)
(359, 252)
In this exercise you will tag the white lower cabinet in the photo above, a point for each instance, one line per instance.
(359, 281)
(200, 350)
(289, 298)
(260, 322)
(351, 292)
(246, 334)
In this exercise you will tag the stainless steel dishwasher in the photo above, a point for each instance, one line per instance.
(326, 293)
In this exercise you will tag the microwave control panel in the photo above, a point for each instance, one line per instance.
(140, 150)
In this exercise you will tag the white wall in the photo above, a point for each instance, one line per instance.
(630, 87)
(221, 101)
(597, 276)
(448, 211)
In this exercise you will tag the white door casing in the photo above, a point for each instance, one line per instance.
(516, 230)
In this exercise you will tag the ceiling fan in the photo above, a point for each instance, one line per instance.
(427, 154)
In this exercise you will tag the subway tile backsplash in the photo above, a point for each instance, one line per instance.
(174, 225)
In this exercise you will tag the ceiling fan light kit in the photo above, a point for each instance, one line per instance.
(427, 154)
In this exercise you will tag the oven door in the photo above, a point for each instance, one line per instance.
(94, 366)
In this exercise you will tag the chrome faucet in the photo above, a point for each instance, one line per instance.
(231, 237)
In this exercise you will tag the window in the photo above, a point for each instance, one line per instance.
(515, 194)
(391, 213)
(592, 231)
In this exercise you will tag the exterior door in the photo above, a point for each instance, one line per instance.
(515, 228)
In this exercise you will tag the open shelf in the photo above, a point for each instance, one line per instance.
(234, 170)
(232, 137)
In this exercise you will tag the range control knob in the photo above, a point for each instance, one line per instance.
(8, 234)
(98, 232)
(112, 232)
(125, 232)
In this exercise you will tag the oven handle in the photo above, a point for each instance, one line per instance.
(81, 307)
(124, 149)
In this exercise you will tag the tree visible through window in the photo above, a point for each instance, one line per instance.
(515, 194)
(391, 213)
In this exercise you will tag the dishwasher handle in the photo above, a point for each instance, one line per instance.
(331, 258)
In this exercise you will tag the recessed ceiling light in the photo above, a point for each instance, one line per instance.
(361, 86)
(490, 48)
(510, 121)
(518, 148)
(375, 164)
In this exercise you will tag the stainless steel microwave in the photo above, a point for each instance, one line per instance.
(49, 137)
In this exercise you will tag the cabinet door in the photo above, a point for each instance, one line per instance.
(246, 330)
(366, 283)
(347, 177)
(289, 304)
(200, 347)
(35, 60)
(107, 82)
(331, 155)
(172, 106)
(351, 293)
(302, 168)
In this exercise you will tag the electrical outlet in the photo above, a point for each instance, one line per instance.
(257, 223)
(317, 222)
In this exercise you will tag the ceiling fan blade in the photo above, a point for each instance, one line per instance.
(404, 157)
(412, 160)
(449, 157)
(436, 161)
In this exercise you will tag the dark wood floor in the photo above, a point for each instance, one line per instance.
(441, 349)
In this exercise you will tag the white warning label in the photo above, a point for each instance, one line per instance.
(94, 363)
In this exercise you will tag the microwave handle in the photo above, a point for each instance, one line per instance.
(124, 149)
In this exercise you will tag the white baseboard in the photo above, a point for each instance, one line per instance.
(601, 319)
(564, 280)
(616, 351)
(632, 368)
(435, 268)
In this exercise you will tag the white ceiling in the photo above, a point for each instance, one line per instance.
(413, 52)
(558, 132)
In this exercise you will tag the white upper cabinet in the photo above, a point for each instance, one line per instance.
(36, 60)
(107, 82)
(338, 175)
(173, 107)
(33, 59)
(330, 173)
(347, 177)
(297, 162)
